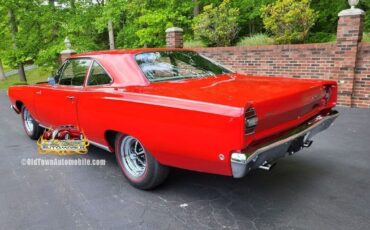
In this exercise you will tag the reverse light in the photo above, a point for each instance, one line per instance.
(251, 121)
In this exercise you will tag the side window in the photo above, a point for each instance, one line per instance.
(74, 72)
(98, 76)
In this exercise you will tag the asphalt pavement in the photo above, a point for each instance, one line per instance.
(324, 187)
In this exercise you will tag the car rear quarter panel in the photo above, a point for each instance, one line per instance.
(172, 131)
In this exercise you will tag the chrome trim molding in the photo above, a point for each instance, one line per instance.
(106, 148)
(241, 162)
(15, 109)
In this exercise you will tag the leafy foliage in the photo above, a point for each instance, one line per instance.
(289, 20)
(255, 40)
(145, 21)
(42, 25)
(194, 44)
(321, 37)
(366, 37)
(217, 26)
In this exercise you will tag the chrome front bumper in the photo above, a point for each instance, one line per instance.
(242, 163)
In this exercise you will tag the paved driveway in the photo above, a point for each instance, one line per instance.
(324, 187)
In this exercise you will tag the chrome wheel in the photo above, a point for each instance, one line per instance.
(133, 156)
(28, 121)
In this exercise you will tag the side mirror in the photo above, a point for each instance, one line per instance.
(51, 80)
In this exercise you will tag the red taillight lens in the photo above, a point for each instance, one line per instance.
(251, 121)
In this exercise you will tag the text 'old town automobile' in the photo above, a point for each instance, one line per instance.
(161, 108)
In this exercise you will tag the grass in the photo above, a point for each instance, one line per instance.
(194, 44)
(33, 76)
(255, 40)
(366, 37)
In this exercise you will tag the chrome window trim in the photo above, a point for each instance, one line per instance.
(86, 74)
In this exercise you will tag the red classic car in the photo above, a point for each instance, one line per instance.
(63, 133)
(161, 108)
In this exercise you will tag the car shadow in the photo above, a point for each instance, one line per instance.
(259, 196)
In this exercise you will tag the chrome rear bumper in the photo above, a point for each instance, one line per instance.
(296, 139)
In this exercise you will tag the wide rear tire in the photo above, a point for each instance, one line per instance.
(139, 167)
(30, 125)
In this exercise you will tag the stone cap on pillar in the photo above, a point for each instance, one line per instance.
(353, 10)
(174, 29)
(68, 46)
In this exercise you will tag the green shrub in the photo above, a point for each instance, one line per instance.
(194, 44)
(289, 20)
(366, 37)
(217, 26)
(255, 40)
(321, 37)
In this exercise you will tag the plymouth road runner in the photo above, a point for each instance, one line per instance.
(161, 108)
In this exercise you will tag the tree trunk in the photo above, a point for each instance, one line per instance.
(54, 32)
(111, 34)
(21, 72)
(2, 73)
(13, 32)
(196, 8)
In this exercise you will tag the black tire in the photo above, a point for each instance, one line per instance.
(154, 173)
(36, 131)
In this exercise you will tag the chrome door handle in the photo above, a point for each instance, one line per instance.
(39, 92)
(70, 98)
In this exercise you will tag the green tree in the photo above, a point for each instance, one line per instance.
(145, 21)
(217, 26)
(18, 14)
(289, 20)
(250, 20)
(67, 18)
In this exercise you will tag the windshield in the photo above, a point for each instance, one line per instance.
(175, 65)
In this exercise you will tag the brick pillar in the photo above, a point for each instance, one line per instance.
(349, 35)
(68, 52)
(174, 37)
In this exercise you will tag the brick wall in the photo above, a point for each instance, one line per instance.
(361, 92)
(298, 61)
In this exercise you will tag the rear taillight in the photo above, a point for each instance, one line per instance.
(328, 92)
(251, 121)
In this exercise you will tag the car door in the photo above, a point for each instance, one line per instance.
(57, 105)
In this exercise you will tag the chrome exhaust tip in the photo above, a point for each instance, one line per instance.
(267, 166)
(307, 143)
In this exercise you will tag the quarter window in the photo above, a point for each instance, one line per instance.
(74, 72)
(98, 76)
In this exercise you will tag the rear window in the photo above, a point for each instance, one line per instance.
(177, 65)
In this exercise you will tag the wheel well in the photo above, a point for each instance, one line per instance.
(19, 105)
(110, 136)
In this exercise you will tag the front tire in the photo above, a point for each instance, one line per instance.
(32, 128)
(139, 167)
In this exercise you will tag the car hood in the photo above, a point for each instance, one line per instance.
(231, 89)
